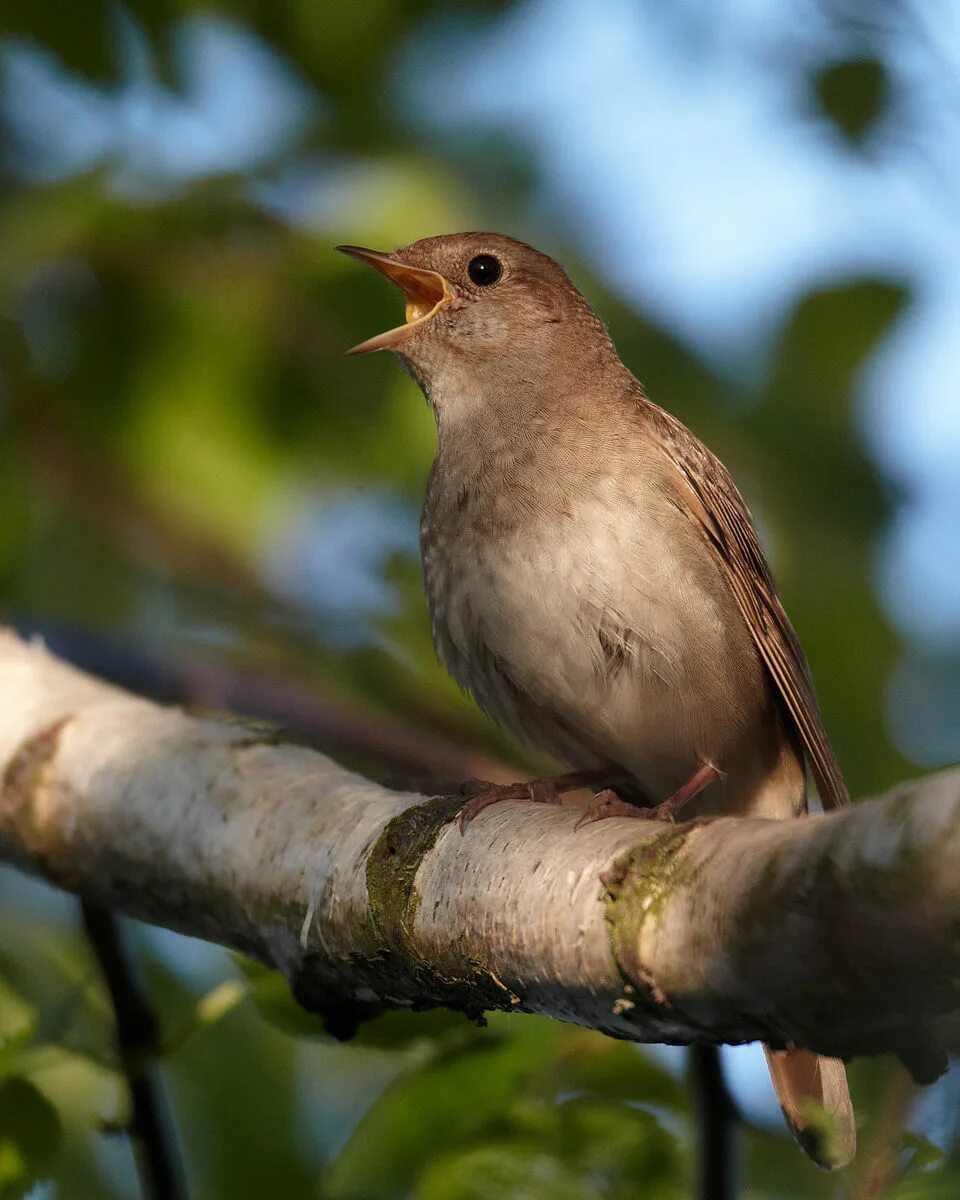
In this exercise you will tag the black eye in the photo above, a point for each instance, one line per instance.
(484, 270)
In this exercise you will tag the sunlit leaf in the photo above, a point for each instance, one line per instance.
(210, 1008)
(923, 1153)
(271, 994)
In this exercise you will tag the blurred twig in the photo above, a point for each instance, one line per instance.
(154, 1146)
(717, 1120)
(76, 473)
(401, 753)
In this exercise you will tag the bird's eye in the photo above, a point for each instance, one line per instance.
(484, 270)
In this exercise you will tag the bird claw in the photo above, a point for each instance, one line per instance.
(482, 794)
(608, 804)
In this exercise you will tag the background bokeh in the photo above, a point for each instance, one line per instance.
(202, 498)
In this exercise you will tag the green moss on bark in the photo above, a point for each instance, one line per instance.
(394, 900)
(637, 885)
(393, 865)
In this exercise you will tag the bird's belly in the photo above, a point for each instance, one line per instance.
(598, 641)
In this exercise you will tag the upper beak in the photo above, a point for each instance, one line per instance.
(426, 292)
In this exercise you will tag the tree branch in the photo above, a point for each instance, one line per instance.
(838, 933)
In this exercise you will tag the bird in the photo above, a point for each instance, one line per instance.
(595, 580)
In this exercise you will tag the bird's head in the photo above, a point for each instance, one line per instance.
(481, 306)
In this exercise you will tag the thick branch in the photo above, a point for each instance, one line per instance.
(839, 932)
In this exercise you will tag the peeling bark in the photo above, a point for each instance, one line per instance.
(840, 933)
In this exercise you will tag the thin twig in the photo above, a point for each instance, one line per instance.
(154, 1146)
(717, 1120)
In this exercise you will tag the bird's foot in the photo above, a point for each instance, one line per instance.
(608, 804)
(482, 794)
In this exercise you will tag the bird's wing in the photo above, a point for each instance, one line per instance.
(706, 490)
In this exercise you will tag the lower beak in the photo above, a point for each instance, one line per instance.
(426, 292)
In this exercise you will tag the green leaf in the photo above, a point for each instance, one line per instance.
(79, 35)
(617, 1144)
(274, 1001)
(927, 1185)
(925, 1153)
(216, 1003)
(507, 1172)
(445, 1104)
(212, 1007)
(614, 1070)
(29, 1137)
(583, 1148)
(852, 94)
(18, 1023)
(397, 1029)
(400, 1028)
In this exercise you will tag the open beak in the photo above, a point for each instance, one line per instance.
(426, 292)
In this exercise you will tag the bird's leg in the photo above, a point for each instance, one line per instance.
(541, 791)
(608, 804)
(698, 782)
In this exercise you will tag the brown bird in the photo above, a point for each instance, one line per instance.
(594, 578)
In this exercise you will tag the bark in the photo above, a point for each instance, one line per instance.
(840, 933)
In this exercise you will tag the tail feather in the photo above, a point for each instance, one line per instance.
(815, 1101)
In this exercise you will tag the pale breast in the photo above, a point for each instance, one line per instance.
(596, 627)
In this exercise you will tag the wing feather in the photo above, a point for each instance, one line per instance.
(713, 498)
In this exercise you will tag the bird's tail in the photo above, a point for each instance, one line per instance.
(815, 1100)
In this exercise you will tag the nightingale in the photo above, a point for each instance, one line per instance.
(595, 580)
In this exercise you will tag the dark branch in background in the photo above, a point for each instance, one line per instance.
(154, 1145)
(72, 470)
(718, 1119)
(143, 535)
(403, 754)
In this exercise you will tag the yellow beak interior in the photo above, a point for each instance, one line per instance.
(425, 292)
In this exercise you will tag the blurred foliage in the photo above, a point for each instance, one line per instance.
(30, 1136)
(189, 466)
(853, 95)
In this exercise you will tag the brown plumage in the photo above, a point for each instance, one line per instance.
(593, 575)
